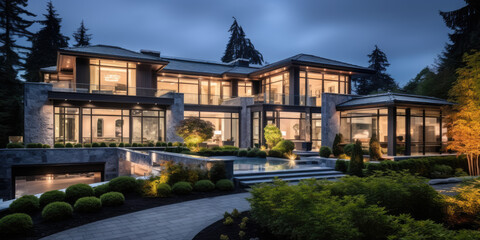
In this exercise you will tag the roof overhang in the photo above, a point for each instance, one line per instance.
(109, 56)
(107, 98)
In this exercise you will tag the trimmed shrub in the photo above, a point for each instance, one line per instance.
(77, 191)
(128, 145)
(158, 144)
(25, 204)
(39, 145)
(261, 154)
(204, 186)
(78, 145)
(164, 190)
(51, 196)
(88, 205)
(58, 145)
(217, 172)
(31, 145)
(150, 144)
(336, 149)
(341, 165)
(272, 135)
(102, 144)
(242, 153)
(140, 145)
(112, 145)
(182, 188)
(374, 149)
(69, 145)
(169, 144)
(123, 184)
(325, 152)
(224, 185)
(46, 146)
(284, 146)
(87, 145)
(95, 144)
(356, 162)
(134, 144)
(15, 145)
(121, 144)
(17, 225)
(441, 171)
(348, 149)
(275, 153)
(252, 153)
(57, 211)
(177, 144)
(112, 199)
(101, 189)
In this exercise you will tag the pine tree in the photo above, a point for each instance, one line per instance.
(336, 149)
(81, 36)
(45, 44)
(356, 161)
(13, 26)
(422, 84)
(380, 81)
(374, 148)
(239, 46)
(464, 120)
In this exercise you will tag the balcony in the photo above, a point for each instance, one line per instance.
(284, 99)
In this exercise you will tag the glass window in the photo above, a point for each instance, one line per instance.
(226, 127)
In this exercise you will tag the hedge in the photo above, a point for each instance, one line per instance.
(57, 211)
(17, 224)
(25, 204)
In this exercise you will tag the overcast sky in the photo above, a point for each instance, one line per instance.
(410, 32)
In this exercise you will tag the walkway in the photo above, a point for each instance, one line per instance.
(176, 221)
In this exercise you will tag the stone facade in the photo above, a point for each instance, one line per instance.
(38, 113)
(175, 114)
(331, 117)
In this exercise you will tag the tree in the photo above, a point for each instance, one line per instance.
(239, 46)
(45, 44)
(356, 161)
(273, 135)
(81, 36)
(374, 148)
(464, 119)
(195, 131)
(422, 83)
(336, 149)
(13, 25)
(380, 81)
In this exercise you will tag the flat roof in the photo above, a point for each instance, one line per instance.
(391, 99)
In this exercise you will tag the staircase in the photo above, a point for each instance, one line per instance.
(289, 175)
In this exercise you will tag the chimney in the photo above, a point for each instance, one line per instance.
(240, 62)
(150, 52)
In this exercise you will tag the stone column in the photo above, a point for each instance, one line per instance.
(331, 117)
(38, 114)
(174, 116)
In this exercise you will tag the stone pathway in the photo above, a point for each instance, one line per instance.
(176, 221)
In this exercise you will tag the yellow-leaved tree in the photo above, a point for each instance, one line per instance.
(464, 119)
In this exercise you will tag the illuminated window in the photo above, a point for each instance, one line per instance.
(112, 77)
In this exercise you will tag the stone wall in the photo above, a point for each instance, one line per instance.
(38, 113)
(245, 119)
(331, 117)
(174, 116)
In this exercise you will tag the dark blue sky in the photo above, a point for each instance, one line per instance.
(410, 32)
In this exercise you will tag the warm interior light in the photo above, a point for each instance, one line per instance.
(217, 132)
(284, 133)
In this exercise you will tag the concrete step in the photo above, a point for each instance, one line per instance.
(291, 179)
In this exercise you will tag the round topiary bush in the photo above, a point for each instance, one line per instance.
(169, 144)
(77, 191)
(150, 144)
(25, 204)
(204, 186)
(112, 145)
(325, 151)
(242, 153)
(128, 145)
(58, 145)
(112, 199)
(121, 144)
(17, 224)
(284, 146)
(134, 144)
(261, 154)
(69, 145)
(52, 196)
(182, 188)
(95, 144)
(57, 211)
(46, 146)
(87, 145)
(102, 144)
(252, 153)
(101, 189)
(78, 145)
(88, 205)
(15, 145)
(275, 153)
(163, 190)
(225, 185)
(123, 184)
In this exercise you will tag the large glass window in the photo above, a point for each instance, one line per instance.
(256, 128)
(313, 84)
(316, 130)
(362, 124)
(66, 125)
(244, 89)
(292, 125)
(276, 88)
(226, 126)
(112, 77)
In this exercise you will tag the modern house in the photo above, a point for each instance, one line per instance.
(109, 94)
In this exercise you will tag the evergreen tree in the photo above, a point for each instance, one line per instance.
(336, 149)
(380, 81)
(81, 36)
(422, 83)
(239, 46)
(374, 149)
(13, 26)
(356, 161)
(45, 44)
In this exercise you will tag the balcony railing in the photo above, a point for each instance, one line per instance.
(284, 99)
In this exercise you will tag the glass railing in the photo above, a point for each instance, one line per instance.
(284, 99)
(204, 99)
(119, 89)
